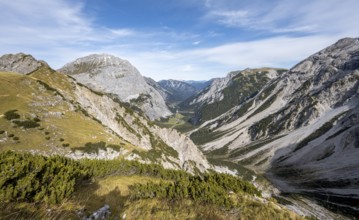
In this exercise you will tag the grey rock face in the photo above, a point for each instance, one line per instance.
(19, 63)
(138, 132)
(301, 128)
(316, 85)
(318, 88)
(164, 93)
(109, 74)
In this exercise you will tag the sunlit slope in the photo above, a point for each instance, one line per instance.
(54, 124)
(49, 111)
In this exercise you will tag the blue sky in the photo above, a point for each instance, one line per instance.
(183, 39)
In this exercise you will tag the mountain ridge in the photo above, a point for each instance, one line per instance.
(54, 100)
(20, 63)
(109, 74)
(303, 122)
(225, 93)
(299, 128)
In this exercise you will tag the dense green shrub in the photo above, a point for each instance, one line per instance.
(35, 178)
(103, 168)
(211, 188)
(95, 147)
(26, 123)
(10, 115)
(36, 120)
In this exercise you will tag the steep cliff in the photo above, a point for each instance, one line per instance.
(112, 75)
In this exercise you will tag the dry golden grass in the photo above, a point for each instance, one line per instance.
(21, 92)
(113, 191)
(186, 209)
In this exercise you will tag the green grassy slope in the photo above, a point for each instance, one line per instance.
(45, 96)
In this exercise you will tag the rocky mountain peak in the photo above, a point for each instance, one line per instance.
(102, 60)
(19, 63)
(346, 43)
(96, 64)
(341, 55)
(109, 74)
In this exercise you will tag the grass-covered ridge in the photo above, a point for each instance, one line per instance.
(43, 120)
(242, 87)
(42, 112)
(38, 187)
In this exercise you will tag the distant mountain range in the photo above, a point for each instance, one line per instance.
(298, 128)
(177, 91)
(199, 85)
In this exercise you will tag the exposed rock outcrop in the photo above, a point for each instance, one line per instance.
(92, 124)
(19, 63)
(112, 75)
(301, 128)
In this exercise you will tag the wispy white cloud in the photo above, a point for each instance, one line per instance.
(232, 18)
(33, 21)
(187, 68)
(280, 16)
(300, 29)
(59, 31)
(216, 61)
(272, 52)
(123, 32)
